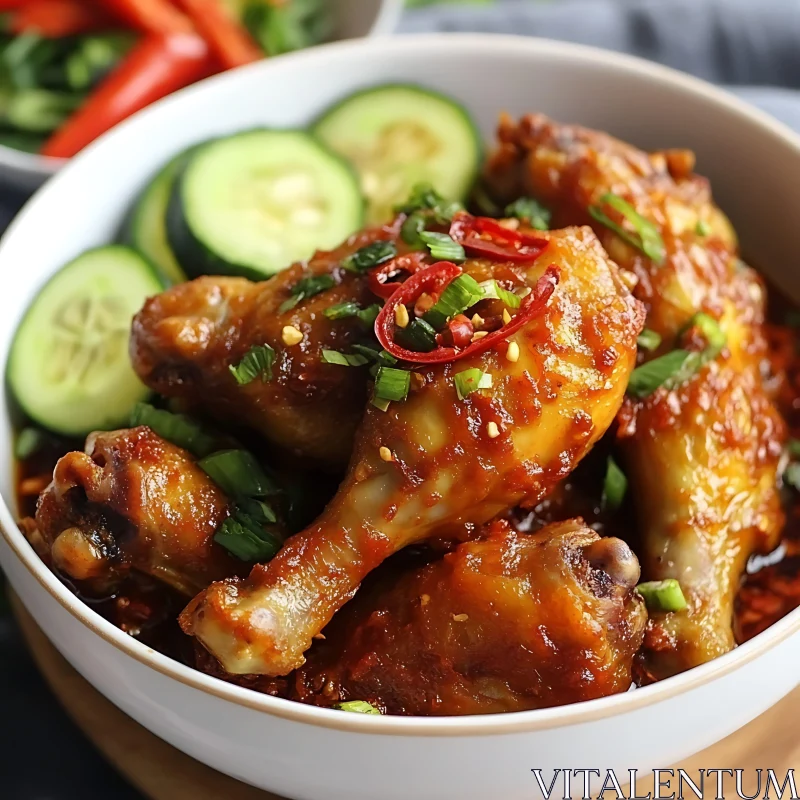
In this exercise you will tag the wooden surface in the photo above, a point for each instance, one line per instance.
(163, 773)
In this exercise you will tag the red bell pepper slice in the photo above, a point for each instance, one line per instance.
(487, 237)
(57, 18)
(154, 68)
(433, 280)
(230, 41)
(158, 17)
(379, 279)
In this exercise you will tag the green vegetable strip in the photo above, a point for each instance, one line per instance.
(665, 595)
(367, 315)
(343, 359)
(305, 288)
(419, 336)
(645, 236)
(392, 384)
(649, 340)
(371, 255)
(457, 297)
(492, 290)
(531, 211)
(471, 380)
(443, 246)
(179, 429)
(245, 538)
(615, 485)
(238, 474)
(358, 706)
(257, 362)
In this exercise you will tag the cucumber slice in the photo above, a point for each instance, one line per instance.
(398, 135)
(253, 203)
(69, 367)
(147, 226)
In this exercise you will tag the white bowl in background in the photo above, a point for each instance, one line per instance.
(318, 754)
(353, 19)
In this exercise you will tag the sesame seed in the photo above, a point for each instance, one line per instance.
(401, 316)
(512, 354)
(291, 335)
(479, 335)
(492, 431)
(477, 320)
(460, 617)
(386, 454)
(506, 316)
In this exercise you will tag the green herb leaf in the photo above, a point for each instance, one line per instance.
(257, 362)
(615, 484)
(179, 429)
(238, 474)
(343, 359)
(531, 211)
(471, 380)
(419, 336)
(357, 706)
(392, 384)
(443, 246)
(649, 340)
(371, 255)
(367, 315)
(245, 538)
(492, 290)
(458, 296)
(305, 288)
(665, 595)
(645, 235)
(30, 441)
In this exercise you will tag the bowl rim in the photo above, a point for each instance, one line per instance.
(457, 44)
(385, 21)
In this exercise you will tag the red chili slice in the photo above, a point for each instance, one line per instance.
(379, 278)
(489, 238)
(433, 280)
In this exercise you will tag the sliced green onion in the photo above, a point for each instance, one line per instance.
(305, 288)
(702, 228)
(791, 475)
(179, 429)
(347, 309)
(492, 290)
(357, 706)
(343, 359)
(380, 357)
(392, 384)
(371, 255)
(259, 510)
(794, 448)
(246, 539)
(379, 403)
(471, 380)
(419, 336)
(531, 211)
(665, 595)
(644, 237)
(238, 474)
(711, 330)
(615, 484)
(458, 296)
(413, 225)
(30, 441)
(649, 339)
(257, 362)
(424, 197)
(443, 246)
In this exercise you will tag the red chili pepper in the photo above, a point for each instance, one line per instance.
(458, 332)
(230, 41)
(379, 278)
(489, 238)
(154, 68)
(158, 17)
(57, 18)
(433, 280)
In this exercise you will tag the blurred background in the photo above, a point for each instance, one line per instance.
(49, 81)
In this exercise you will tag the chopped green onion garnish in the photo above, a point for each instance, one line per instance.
(794, 447)
(412, 227)
(470, 380)
(380, 404)
(30, 441)
(358, 706)
(664, 595)
(259, 510)
(380, 357)
(244, 537)
(179, 429)
(615, 485)
(419, 336)
(791, 475)
(644, 237)
(347, 309)
(238, 474)
(257, 362)
(702, 228)
(443, 246)
(649, 340)
(531, 211)
(371, 255)
(492, 290)
(458, 296)
(343, 359)
(392, 384)
(711, 330)
(424, 197)
(305, 288)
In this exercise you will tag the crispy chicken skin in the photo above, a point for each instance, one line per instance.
(509, 622)
(185, 339)
(133, 501)
(446, 469)
(702, 458)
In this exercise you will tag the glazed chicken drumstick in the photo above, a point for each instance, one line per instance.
(702, 451)
(436, 462)
(508, 622)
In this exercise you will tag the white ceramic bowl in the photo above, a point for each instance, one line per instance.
(352, 19)
(317, 754)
